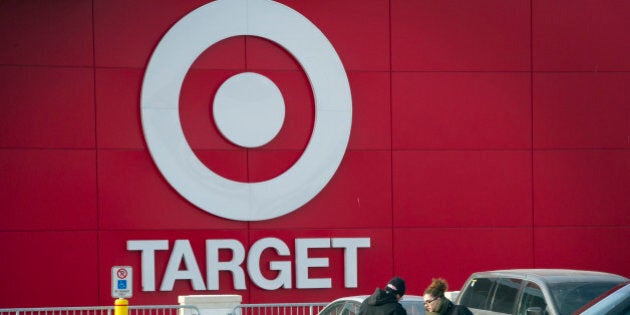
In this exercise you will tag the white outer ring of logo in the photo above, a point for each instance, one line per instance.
(164, 135)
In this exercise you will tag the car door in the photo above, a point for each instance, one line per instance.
(532, 299)
(492, 296)
(505, 295)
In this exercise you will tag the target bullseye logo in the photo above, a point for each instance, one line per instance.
(248, 109)
(252, 100)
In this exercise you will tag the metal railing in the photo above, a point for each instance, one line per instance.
(243, 309)
(105, 310)
(279, 309)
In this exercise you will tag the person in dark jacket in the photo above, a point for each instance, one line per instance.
(385, 301)
(436, 303)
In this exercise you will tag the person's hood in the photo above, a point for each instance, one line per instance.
(380, 297)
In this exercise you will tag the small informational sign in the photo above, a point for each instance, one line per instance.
(121, 282)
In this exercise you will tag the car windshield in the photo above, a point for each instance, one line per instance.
(569, 297)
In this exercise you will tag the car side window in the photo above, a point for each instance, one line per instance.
(532, 297)
(351, 308)
(477, 293)
(505, 294)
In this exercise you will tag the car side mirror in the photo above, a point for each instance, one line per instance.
(534, 311)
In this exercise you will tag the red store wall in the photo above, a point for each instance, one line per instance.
(486, 134)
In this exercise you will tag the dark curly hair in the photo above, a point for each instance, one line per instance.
(437, 287)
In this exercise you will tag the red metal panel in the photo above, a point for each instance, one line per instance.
(454, 253)
(46, 33)
(268, 164)
(134, 195)
(42, 268)
(582, 188)
(490, 35)
(46, 107)
(357, 29)
(581, 110)
(228, 53)
(231, 164)
(371, 111)
(118, 108)
(593, 248)
(126, 32)
(265, 54)
(461, 110)
(48, 189)
(358, 196)
(462, 188)
(585, 35)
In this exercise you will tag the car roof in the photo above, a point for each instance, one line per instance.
(411, 297)
(360, 298)
(552, 275)
(356, 298)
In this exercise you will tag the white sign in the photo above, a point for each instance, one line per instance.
(163, 80)
(297, 262)
(121, 282)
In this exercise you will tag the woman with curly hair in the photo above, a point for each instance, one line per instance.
(436, 303)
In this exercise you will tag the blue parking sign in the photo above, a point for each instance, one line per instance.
(122, 284)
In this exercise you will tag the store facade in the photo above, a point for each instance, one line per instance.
(298, 151)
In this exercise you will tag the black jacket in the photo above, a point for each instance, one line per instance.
(381, 303)
(450, 308)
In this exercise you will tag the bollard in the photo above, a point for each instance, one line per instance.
(121, 307)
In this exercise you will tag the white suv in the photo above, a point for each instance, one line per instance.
(534, 291)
